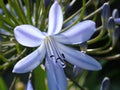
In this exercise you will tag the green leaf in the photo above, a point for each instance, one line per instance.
(39, 78)
(2, 84)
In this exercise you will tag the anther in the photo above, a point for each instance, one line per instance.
(58, 58)
(51, 56)
(62, 60)
(63, 64)
(63, 55)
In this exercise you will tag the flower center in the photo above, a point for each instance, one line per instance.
(53, 51)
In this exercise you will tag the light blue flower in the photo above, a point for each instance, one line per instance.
(52, 46)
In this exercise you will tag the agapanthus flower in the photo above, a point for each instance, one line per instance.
(51, 45)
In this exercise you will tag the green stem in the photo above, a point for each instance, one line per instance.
(113, 57)
(92, 14)
(21, 11)
(98, 38)
(29, 10)
(7, 21)
(77, 84)
(13, 83)
(95, 12)
(101, 50)
(18, 57)
(8, 14)
(9, 51)
(37, 12)
(79, 18)
(43, 16)
(3, 58)
(71, 17)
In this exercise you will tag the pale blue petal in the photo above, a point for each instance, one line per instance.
(29, 86)
(61, 78)
(55, 19)
(28, 35)
(56, 77)
(78, 58)
(79, 33)
(31, 61)
(52, 83)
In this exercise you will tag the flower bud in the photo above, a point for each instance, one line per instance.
(116, 35)
(105, 85)
(76, 71)
(115, 13)
(111, 26)
(105, 14)
(46, 3)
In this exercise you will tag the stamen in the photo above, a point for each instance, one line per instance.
(63, 55)
(63, 65)
(51, 56)
(58, 57)
(61, 60)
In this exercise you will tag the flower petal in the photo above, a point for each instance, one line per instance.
(29, 85)
(55, 19)
(78, 58)
(55, 73)
(28, 35)
(79, 33)
(31, 61)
